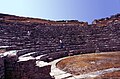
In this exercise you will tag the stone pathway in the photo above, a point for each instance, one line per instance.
(59, 74)
(97, 73)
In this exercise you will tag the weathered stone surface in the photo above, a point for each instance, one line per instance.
(2, 68)
(43, 37)
(25, 69)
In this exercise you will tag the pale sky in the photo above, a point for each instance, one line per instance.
(82, 10)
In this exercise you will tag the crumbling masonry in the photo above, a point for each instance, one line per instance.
(41, 38)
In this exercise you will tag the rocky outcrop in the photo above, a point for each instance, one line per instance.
(107, 21)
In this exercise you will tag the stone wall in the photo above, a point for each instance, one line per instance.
(15, 69)
(2, 67)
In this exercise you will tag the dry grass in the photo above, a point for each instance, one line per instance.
(86, 63)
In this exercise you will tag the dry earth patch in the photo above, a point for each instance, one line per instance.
(87, 63)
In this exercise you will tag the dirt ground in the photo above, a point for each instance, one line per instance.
(86, 63)
(112, 75)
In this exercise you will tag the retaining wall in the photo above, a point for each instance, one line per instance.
(2, 67)
(15, 69)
